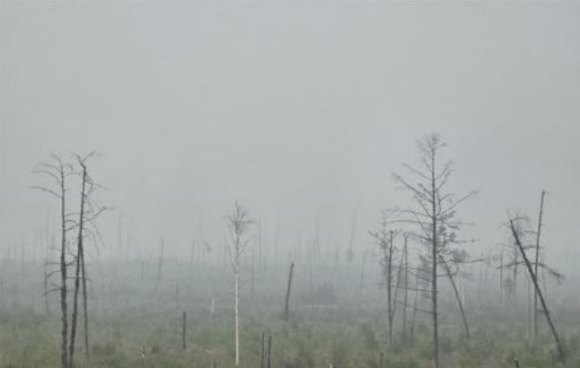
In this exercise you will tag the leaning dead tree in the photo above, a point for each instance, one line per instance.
(538, 291)
(432, 215)
(520, 225)
(288, 288)
(451, 269)
(238, 223)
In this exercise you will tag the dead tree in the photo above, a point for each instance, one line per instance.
(522, 226)
(58, 171)
(79, 256)
(385, 241)
(269, 360)
(238, 225)
(433, 214)
(529, 241)
(183, 331)
(533, 276)
(538, 238)
(405, 261)
(287, 301)
(159, 267)
(451, 276)
(263, 351)
(360, 290)
(350, 249)
(86, 228)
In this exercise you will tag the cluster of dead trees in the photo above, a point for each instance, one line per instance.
(69, 181)
(431, 223)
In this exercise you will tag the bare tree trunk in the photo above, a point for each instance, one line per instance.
(263, 352)
(85, 304)
(405, 297)
(501, 279)
(287, 302)
(311, 276)
(539, 292)
(183, 331)
(457, 297)
(416, 300)
(530, 313)
(78, 262)
(253, 272)
(269, 352)
(238, 224)
(538, 237)
(45, 285)
(237, 316)
(160, 267)
(397, 287)
(434, 261)
(362, 275)
(74, 312)
(63, 273)
(388, 280)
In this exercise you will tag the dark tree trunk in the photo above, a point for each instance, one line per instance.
(561, 354)
(287, 302)
(79, 265)
(457, 297)
(434, 261)
(389, 287)
(269, 352)
(85, 304)
(538, 237)
(63, 274)
(160, 267)
(184, 331)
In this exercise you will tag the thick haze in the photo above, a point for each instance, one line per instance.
(299, 110)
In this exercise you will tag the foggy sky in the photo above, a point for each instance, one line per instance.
(298, 110)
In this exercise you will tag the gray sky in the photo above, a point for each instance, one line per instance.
(296, 109)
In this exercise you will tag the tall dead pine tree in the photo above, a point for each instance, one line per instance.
(58, 171)
(79, 257)
(432, 214)
(86, 227)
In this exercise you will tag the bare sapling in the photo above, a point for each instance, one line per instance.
(238, 225)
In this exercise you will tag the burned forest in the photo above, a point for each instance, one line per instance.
(279, 184)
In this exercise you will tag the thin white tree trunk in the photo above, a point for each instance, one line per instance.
(237, 314)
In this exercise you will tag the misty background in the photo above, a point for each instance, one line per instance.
(301, 111)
